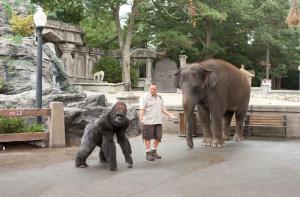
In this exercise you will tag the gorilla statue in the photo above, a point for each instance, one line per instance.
(101, 133)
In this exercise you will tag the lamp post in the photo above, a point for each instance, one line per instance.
(299, 77)
(40, 20)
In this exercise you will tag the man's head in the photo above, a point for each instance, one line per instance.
(153, 89)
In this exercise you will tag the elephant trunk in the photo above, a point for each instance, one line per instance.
(188, 108)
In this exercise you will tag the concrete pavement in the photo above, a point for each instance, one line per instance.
(254, 167)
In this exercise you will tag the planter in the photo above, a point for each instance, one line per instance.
(17, 137)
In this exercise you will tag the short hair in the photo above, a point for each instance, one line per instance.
(153, 83)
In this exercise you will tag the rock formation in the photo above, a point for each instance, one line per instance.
(18, 82)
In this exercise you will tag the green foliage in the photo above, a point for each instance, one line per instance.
(63, 10)
(7, 7)
(112, 69)
(204, 10)
(17, 39)
(18, 125)
(279, 71)
(35, 128)
(22, 25)
(134, 75)
(100, 31)
(11, 125)
(173, 42)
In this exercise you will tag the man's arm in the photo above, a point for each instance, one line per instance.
(142, 112)
(171, 115)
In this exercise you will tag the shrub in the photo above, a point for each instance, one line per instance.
(111, 67)
(113, 70)
(35, 128)
(134, 75)
(11, 125)
(22, 25)
(17, 125)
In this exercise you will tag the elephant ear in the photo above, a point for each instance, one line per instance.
(210, 78)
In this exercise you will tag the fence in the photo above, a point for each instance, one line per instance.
(56, 125)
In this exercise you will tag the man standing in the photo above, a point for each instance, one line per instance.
(151, 109)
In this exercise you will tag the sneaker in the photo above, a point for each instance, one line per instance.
(149, 156)
(155, 155)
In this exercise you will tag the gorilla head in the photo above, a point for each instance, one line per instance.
(118, 114)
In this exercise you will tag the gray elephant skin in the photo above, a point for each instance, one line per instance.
(219, 90)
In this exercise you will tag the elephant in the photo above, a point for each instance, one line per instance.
(219, 90)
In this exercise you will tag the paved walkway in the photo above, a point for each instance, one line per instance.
(268, 168)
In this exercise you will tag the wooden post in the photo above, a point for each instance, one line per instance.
(57, 125)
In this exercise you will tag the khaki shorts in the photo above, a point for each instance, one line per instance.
(152, 132)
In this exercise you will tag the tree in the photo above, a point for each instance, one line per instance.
(63, 10)
(124, 34)
(100, 31)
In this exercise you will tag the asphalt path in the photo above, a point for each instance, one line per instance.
(254, 167)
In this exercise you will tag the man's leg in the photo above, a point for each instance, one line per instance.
(157, 138)
(147, 131)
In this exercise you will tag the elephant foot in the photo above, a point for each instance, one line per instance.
(207, 141)
(238, 138)
(189, 143)
(218, 143)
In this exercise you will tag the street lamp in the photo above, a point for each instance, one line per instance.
(40, 20)
(299, 77)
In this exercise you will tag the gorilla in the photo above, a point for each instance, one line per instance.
(101, 133)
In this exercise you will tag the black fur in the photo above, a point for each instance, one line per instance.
(101, 133)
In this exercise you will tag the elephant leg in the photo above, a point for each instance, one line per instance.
(238, 135)
(218, 140)
(188, 114)
(205, 120)
(109, 150)
(226, 125)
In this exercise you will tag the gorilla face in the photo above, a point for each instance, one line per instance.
(118, 114)
(118, 118)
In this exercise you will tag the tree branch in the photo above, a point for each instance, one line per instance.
(115, 12)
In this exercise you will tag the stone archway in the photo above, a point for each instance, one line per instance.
(78, 59)
(145, 57)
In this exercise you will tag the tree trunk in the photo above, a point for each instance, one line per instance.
(126, 68)
(208, 40)
(125, 42)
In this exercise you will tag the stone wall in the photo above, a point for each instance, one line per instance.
(292, 114)
(78, 59)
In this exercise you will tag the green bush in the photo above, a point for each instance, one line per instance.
(111, 68)
(35, 128)
(17, 125)
(134, 75)
(11, 125)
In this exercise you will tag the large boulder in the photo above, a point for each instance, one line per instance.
(79, 114)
